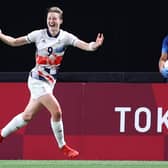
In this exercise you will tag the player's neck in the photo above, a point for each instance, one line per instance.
(53, 33)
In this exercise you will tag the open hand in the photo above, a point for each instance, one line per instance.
(99, 39)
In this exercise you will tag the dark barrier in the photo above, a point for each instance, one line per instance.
(139, 77)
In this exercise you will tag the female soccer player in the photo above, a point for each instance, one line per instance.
(50, 47)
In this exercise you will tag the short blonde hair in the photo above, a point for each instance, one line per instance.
(56, 10)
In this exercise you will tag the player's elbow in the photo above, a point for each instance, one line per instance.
(13, 43)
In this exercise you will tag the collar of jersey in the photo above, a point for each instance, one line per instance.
(49, 34)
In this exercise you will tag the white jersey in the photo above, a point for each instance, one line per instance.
(49, 52)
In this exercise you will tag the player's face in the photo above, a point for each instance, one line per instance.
(53, 21)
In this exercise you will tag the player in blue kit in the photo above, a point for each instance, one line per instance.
(51, 44)
(163, 64)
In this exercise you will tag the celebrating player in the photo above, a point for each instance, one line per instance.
(50, 47)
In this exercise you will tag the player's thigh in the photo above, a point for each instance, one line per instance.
(31, 109)
(50, 102)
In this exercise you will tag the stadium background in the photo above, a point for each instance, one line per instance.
(133, 33)
(133, 36)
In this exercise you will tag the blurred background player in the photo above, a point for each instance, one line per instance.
(163, 58)
(50, 47)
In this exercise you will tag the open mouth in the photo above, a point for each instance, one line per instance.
(51, 25)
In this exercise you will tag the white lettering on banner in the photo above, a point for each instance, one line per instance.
(162, 118)
(137, 119)
(122, 111)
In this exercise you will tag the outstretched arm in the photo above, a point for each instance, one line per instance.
(162, 60)
(92, 46)
(11, 41)
(163, 70)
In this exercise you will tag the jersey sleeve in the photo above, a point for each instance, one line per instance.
(70, 39)
(165, 45)
(32, 37)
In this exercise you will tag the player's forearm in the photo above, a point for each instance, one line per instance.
(162, 60)
(161, 65)
(7, 39)
(14, 42)
(86, 46)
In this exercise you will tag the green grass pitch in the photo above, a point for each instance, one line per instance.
(81, 164)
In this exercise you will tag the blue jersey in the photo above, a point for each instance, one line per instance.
(165, 45)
